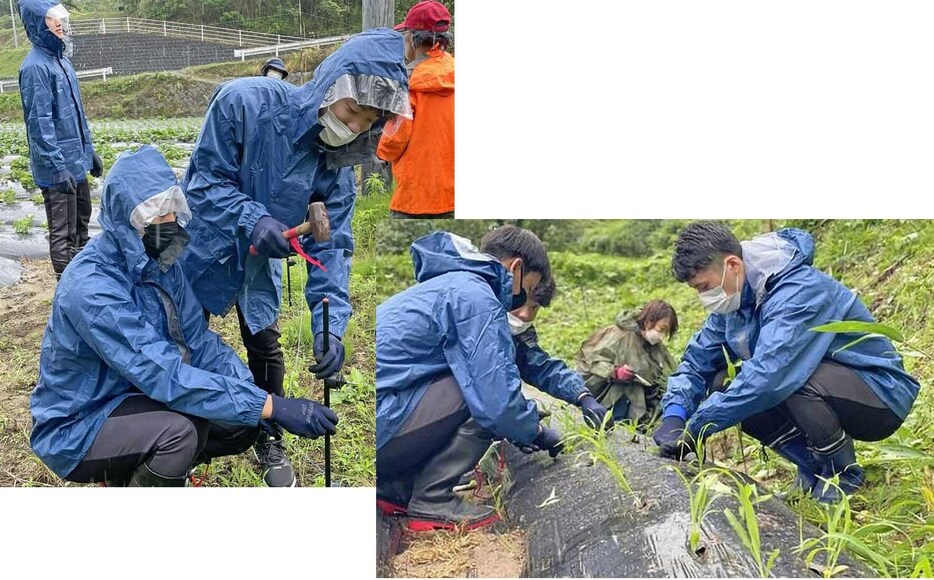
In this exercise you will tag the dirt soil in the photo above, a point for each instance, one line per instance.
(24, 311)
(475, 554)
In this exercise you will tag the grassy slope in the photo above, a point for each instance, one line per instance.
(593, 287)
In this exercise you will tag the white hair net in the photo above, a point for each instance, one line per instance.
(169, 201)
(371, 91)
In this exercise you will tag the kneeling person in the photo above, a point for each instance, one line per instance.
(133, 388)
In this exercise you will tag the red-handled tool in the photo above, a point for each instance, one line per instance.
(318, 225)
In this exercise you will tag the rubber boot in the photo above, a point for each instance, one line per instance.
(145, 477)
(796, 451)
(434, 505)
(839, 460)
(392, 495)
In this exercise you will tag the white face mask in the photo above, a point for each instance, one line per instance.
(517, 325)
(653, 336)
(335, 132)
(718, 301)
(273, 73)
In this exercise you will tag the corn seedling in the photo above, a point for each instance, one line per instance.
(839, 534)
(870, 330)
(746, 525)
(597, 446)
(702, 493)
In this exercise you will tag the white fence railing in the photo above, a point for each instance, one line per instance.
(6, 86)
(242, 54)
(216, 34)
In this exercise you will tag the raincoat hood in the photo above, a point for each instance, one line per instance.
(442, 252)
(32, 13)
(135, 178)
(376, 53)
(435, 74)
(768, 257)
(626, 319)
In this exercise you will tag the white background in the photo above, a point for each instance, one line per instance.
(188, 534)
(686, 109)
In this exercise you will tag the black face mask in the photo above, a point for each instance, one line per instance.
(157, 237)
(519, 300)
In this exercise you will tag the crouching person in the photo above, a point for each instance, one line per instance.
(133, 388)
(805, 394)
(446, 378)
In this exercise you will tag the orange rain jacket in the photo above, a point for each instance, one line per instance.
(421, 149)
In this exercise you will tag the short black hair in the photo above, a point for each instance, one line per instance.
(545, 292)
(427, 39)
(511, 242)
(699, 244)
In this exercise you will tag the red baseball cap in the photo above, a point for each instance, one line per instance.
(427, 15)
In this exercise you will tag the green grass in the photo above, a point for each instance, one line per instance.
(886, 262)
(11, 58)
(24, 225)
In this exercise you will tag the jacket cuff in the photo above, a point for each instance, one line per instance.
(675, 410)
(252, 212)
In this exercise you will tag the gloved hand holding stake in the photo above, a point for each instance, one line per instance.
(303, 417)
(594, 412)
(98, 166)
(268, 240)
(65, 182)
(330, 359)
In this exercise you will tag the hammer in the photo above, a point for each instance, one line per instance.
(317, 225)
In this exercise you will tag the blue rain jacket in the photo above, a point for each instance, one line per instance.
(258, 154)
(544, 372)
(108, 336)
(56, 126)
(452, 322)
(783, 297)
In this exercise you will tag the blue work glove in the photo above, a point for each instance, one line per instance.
(97, 167)
(328, 363)
(547, 440)
(303, 417)
(594, 413)
(65, 182)
(268, 240)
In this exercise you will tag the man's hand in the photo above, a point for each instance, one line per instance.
(268, 240)
(547, 440)
(328, 362)
(303, 417)
(65, 182)
(623, 374)
(97, 166)
(594, 413)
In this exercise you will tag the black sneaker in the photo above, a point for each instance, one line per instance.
(277, 471)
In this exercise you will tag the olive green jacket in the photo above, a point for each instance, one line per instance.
(623, 344)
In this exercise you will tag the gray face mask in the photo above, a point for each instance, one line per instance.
(273, 73)
(717, 301)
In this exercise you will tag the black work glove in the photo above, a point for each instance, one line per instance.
(594, 413)
(673, 441)
(547, 440)
(97, 167)
(328, 363)
(268, 240)
(303, 417)
(65, 182)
